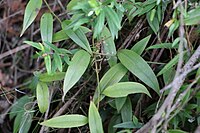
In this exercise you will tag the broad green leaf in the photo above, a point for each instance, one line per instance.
(31, 12)
(138, 66)
(162, 45)
(61, 36)
(36, 45)
(93, 3)
(99, 24)
(112, 16)
(45, 77)
(95, 122)
(26, 121)
(170, 64)
(42, 93)
(153, 24)
(147, 7)
(192, 17)
(123, 89)
(116, 119)
(175, 131)
(17, 122)
(128, 125)
(56, 49)
(72, 3)
(119, 102)
(79, 64)
(58, 61)
(80, 22)
(79, 38)
(126, 111)
(113, 21)
(46, 27)
(66, 121)
(108, 45)
(140, 46)
(112, 76)
(18, 106)
(47, 60)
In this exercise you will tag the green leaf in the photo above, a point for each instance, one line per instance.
(116, 119)
(79, 38)
(126, 111)
(36, 45)
(18, 106)
(170, 64)
(119, 102)
(45, 77)
(113, 21)
(175, 131)
(42, 94)
(138, 66)
(153, 24)
(78, 65)
(58, 61)
(123, 89)
(192, 17)
(112, 16)
(112, 76)
(108, 45)
(47, 60)
(140, 46)
(99, 24)
(46, 27)
(31, 12)
(66, 121)
(61, 36)
(95, 122)
(26, 122)
(162, 45)
(128, 125)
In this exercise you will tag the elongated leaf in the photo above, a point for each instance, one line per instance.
(47, 60)
(58, 61)
(119, 102)
(193, 17)
(42, 96)
(123, 89)
(60, 35)
(128, 125)
(45, 77)
(175, 131)
(126, 111)
(25, 122)
(162, 45)
(140, 46)
(66, 121)
(113, 21)
(31, 12)
(35, 45)
(116, 119)
(138, 66)
(46, 27)
(170, 64)
(112, 15)
(78, 65)
(95, 122)
(108, 45)
(99, 24)
(79, 38)
(112, 76)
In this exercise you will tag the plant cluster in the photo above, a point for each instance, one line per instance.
(143, 81)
